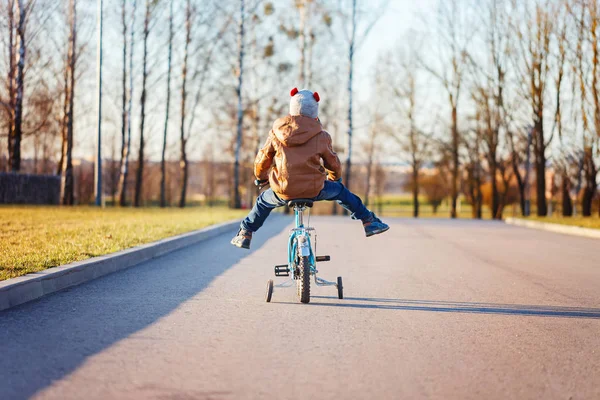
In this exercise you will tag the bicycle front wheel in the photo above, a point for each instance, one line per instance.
(303, 280)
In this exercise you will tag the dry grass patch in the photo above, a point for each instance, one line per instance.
(35, 238)
(588, 222)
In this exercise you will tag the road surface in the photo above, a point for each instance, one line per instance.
(434, 309)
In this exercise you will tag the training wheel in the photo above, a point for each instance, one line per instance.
(340, 288)
(269, 293)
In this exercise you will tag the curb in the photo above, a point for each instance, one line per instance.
(557, 228)
(32, 286)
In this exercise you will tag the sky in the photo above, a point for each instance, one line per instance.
(401, 16)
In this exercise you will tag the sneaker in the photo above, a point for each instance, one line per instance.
(242, 239)
(374, 226)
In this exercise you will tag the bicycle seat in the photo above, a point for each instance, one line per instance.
(300, 203)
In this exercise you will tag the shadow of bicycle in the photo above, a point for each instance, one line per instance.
(459, 307)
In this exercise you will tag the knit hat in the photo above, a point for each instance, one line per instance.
(304, 102)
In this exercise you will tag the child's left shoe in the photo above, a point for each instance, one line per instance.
(242, 239)
(374, 226)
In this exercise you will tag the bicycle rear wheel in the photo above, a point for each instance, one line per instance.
(303, 280)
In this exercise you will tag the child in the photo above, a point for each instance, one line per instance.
(299, 162)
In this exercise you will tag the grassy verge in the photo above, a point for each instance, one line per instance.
(588, 222)
(35, 238)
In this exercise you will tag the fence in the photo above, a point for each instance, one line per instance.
(29, 189)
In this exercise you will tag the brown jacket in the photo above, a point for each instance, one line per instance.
(297, 158)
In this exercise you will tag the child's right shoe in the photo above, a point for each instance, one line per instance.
(374, 226)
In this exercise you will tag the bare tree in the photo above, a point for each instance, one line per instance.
(124, 113)
(237, 203)
(163, 172)
(67, 179)
(488, 91)
(19, 87)
(454, 41)
(127, 149)
(589, 165)
(402, 79)
(355, 40)
(584, 62)
(473, 167)
(184, 78)
(9, 104)
(534, 32)
(140, 168)
(351, 50)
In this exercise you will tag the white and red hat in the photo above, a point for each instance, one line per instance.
(304, 102)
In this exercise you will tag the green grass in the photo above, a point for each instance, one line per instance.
(402, 206)
(35, 238)
(588, 222)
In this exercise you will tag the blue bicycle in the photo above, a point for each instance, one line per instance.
(302, 262)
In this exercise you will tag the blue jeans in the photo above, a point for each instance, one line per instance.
(268, 200)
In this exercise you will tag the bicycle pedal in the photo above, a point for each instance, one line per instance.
(323, 258)
(282, 270)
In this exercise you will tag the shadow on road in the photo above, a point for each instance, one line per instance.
(462, 307)
(45, 340)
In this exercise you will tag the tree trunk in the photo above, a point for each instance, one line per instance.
(183, 162)
(125, 162)
(11, 80)
(65, 112)
(494, 182)
(415, 189)
(589, 190)
(586, 202)
(113, 172)
(139, 179)
(478, 198)
(567, 204)
(350, 79)
(240, 113)
(17, 134)
(67, 179)
(514, 159)
(163, 172)
(455, 161)
(124, 115)
(540, 169)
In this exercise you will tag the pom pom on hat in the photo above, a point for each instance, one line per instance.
(316, 96)
(294, 92)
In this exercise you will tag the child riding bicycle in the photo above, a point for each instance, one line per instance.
(298, 161)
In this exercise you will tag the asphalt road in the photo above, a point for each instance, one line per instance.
(434, 309)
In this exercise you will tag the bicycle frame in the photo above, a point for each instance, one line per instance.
(300, 235)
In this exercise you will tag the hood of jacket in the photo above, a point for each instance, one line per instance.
(296, 130)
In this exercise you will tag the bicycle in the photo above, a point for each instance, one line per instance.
(302, 261)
